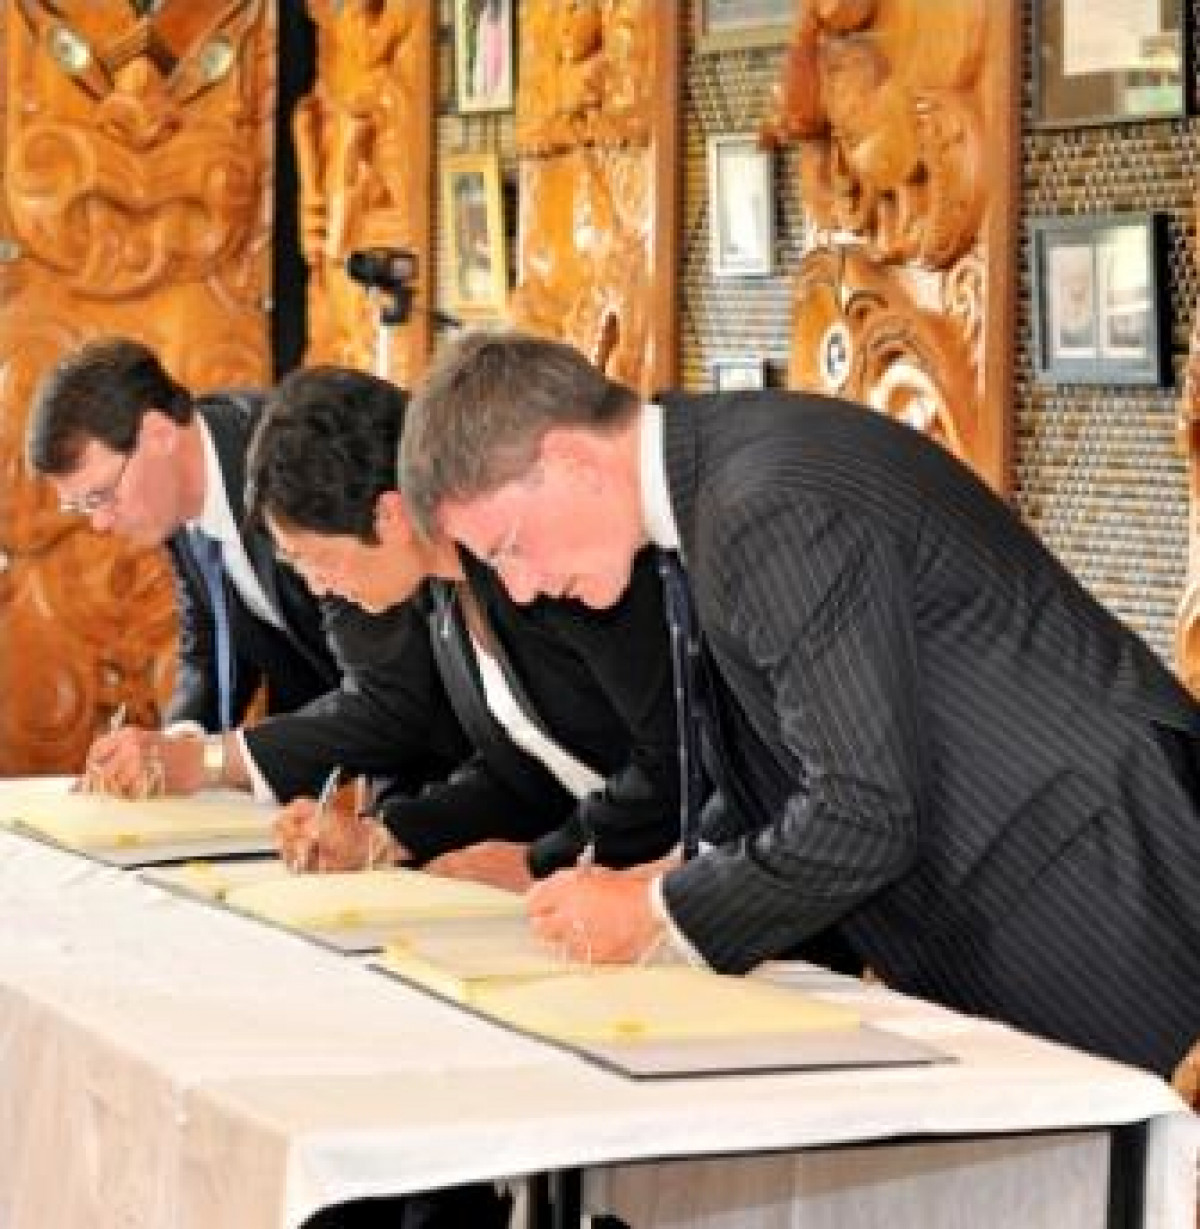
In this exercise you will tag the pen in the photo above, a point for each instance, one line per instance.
(323, 800)
(89, 781)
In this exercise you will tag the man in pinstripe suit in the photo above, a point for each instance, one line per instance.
(937, 740)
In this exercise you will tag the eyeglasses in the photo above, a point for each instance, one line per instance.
(507, 551)
(92, 501)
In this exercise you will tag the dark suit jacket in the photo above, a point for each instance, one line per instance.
(599, 682)
(295, 663)
(942, 742)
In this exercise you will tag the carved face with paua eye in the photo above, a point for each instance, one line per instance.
(120, 139)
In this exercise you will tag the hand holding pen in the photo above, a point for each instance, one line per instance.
(97, 777)
(323, 799)
(340, 839)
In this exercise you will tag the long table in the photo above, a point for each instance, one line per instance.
(170, 1065)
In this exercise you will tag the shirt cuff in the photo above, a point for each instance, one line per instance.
(184, 729)
(258, 783)
(675, 936)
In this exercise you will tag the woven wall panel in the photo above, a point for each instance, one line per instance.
(1099, 473)
(730, 92)
(1096, 470)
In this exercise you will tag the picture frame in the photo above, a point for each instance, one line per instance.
(1106, 61)
(731, 374)
(1099, 299)
(473, 221)
(730, 25)
(741, 197)
(484, 51)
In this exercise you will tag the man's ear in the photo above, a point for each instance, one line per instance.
(575, 455)
(392, 522)
(158, 432)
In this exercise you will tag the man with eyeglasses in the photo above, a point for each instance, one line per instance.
(131, 449)
(928, 735)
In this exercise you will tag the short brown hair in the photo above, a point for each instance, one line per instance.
(475, 422)
(98, 392)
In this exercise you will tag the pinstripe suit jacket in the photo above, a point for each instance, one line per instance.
(941, 742)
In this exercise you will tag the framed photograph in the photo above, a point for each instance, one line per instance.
(726, 25)
(1099, 299)
(730, 374)
(483, 55)
(1099, 61)
(741, 198)
(473, 219)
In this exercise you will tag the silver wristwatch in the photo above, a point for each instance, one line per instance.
(213, 759)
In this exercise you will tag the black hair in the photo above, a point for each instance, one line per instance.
(325, 450)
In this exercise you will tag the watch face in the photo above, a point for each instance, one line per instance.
(214, 757)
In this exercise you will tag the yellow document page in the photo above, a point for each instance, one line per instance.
(214, 879)
(656, 1004)
(457, 956)
(94, 821)
(349, 899)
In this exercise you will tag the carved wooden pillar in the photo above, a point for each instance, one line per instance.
(135, 200)
(597, 118)
(906, 113)
(364, 151)
(1187, 626)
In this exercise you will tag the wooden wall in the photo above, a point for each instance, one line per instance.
(1101, 473)
(136, 200)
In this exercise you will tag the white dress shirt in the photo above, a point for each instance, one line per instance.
(216, 520)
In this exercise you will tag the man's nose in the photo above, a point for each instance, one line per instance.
(521, 583)
(102, 518)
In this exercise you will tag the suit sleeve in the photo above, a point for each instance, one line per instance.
(389, 716)
(816, 603)
(634, 816)
(473, 805)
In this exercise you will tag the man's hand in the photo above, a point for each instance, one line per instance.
(136, 763)
(500, 863)
(346, 841)
(597, 915)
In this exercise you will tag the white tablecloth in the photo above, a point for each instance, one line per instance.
(168, 1065)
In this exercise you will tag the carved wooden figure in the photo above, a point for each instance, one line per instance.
(905, 114)
(136, 179)
(596, 137)
(363, 142)
(1187, 625)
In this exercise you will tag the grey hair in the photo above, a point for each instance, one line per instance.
(477, 419)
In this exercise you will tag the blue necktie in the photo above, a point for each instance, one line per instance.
(207, 551)
(685, 662)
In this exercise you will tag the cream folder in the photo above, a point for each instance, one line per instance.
(95, 821)
(458, 957)
(349, 899)
(214, 879)
(656, 1004)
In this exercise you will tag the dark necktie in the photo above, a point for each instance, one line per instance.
(685, 662)
(207, 551)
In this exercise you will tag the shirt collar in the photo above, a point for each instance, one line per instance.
(216, 516)
(656, 496)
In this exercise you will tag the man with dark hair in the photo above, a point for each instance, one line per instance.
(925, 731)
(570, 713)
(131, 449)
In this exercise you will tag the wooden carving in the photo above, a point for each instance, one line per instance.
(1187, 626)
(596, 136)
(363, 142)
(137, 147)
(905, 115)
